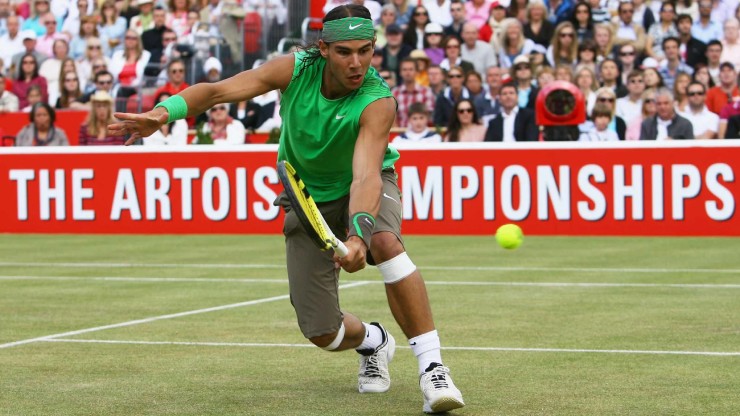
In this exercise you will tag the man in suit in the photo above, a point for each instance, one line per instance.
(666, 124)
(514, 123)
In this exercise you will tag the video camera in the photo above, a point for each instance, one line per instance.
(560, 108)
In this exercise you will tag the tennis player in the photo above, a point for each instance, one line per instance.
(337, 114)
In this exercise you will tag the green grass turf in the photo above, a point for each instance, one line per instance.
(479, 293)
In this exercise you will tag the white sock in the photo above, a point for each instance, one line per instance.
(373, 337)
(426, 347)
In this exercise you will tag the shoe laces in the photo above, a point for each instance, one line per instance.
(438, 377)
(372, 368)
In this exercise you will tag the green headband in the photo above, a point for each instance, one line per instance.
(348, 28)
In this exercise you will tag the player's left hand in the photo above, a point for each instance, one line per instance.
(355, 259)
(138, 125)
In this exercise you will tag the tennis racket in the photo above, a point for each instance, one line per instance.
(307, 211)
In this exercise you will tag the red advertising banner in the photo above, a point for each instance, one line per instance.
(639, 188)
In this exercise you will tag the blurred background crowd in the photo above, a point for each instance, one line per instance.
(460, 70)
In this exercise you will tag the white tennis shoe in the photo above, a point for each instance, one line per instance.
(440, 393)
(374, 376)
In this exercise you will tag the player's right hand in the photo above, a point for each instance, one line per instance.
(138, 125)
(356, 257)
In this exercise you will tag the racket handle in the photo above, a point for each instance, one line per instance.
(341, 249)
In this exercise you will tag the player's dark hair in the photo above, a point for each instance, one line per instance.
(340, 12)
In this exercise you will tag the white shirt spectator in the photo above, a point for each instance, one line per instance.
(8, 102)
(626, 32)
(663, 129)
(10, 47)
(509, 120)
(423, 137)
(599, 136)
(703, 121)
(628, 109)
(438, 14)
(178, 136)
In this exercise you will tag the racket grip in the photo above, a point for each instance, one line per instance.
(341, 249)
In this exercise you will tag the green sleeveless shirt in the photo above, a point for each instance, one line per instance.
(318, 135)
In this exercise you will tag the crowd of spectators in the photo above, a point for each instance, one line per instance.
(459, 70)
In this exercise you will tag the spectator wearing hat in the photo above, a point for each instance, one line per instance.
(477, 11)
(666, 124)
(514, 123)
(693, 50)
(487, 104)
(41, 131)
(731, 42)
(29, 47)
(422, 66)
(8, 100)
(717, 97)
(457, 11)
(94, 132)
(395, 49)
(497, 14)
(521, 73)
(477, 52)
(145, 19)
(439, 11)
(538, 28)
(410, 92)
(433, 36)
(12, 42)
(212, 68)
(626, 30)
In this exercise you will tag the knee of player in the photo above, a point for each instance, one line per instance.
(330, 341)
(397, 268)
(385, 246)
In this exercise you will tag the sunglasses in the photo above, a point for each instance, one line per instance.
(464, 110)
(50, 23)
(169, 39)
(626, 54)
(104, 82)
(71, 79)
(421, 14)
(28, 62)
(387, 77)
(452, 46)
(176, 71)
(455, 76)
(606, 100)
(132, 38)
(520, 67)
(627, 11)
(649, 100)
(93, 47)
(567, 35)
(694, 93)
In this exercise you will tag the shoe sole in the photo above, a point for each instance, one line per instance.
(391, 353)
(444, 404)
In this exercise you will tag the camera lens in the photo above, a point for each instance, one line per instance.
(560, 102)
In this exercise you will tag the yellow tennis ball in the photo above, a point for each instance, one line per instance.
(509, 236)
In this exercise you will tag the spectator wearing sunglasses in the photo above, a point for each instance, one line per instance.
(630, 106)
(626, 30)
(706, 123)
(223, 128)
(605, 96)
(175, 78)
(464, 125)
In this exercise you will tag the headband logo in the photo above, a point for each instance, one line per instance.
(355, 26)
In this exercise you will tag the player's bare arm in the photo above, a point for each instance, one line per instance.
(274, 74)
(364, 195)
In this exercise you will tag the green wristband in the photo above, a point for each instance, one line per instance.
(362, 225)
(176, 107)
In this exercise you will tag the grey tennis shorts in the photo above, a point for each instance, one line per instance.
(312, 277)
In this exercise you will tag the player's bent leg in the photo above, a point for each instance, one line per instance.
(409, 303)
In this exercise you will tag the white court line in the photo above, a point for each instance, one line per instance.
(422, 267)
(428, 282)
(499, 349)
(159, 318)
